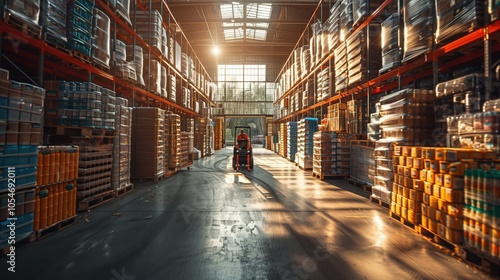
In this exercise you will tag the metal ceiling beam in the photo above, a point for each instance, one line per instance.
(239, 44)
(177, 3)
(247, 20)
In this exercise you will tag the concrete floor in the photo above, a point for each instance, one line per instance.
(275, 222)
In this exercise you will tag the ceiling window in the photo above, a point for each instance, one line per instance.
(236, 16)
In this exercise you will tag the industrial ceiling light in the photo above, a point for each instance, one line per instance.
(215, 50)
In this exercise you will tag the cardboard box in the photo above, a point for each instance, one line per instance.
(456, 168)
(406, 172)
(425, 210)
(433, 225)
(436, 191)
(406, 192)
(454, 182)
(12, 133)
(430, 176)
(400, 170)
(425, 221)
(393, 196)
(454, 209)
(426, 198)
(454, 222)
(416, 152)
(404, 201)
(418, 163)
(406, 151)
(415, 206)
(423, 175)
(407, 182)
(434, 166)
(398, 209)
(24, 133)
(441, 216)
(454, 196)
(441, 230)
(404, 213)
(438, 179)
(440, 153)
(395, 160)
(433, 202)
(453, 154)
(418, 184)
(414, 173)
(393, 207)
(428, 187)
(443, 167)
(454, 236)
(409, 162)
(429, 153)
(416, 195)
(427, 164)
(399, 199)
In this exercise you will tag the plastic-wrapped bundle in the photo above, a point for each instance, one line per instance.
(390, 49)
(363, 60)
(101, 38)
(149, 28)
(171, 84)
(123, 7)
(472, 82)
(164, 41)
(346, 19)
(335, 23)
(340, 67)
(313, 42)
(25, 10)
(79, 26)
(135, 55)
(185, 65)
(305, 62)
(120, 51)
(418, 34)
(363, 8)
(323, 85)
(153, 75)
(53, 19)
(455, 18)
(164, 82)
(297, 53)
(291, 140)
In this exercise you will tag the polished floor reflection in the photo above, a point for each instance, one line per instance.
(275, 222)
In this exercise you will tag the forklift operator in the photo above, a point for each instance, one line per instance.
(242, 135)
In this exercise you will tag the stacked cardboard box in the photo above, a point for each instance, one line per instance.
(418, 17)
(122, 146)
(174, 145)
(305, 134)
(283, 147)
(455, 19)
(218, 133)
(354, 114)
(291, 140)
(390, 43)
(363, 55)
(362, 162)
(337, 117)
(331, 154)
(148, 143)
(20, 135)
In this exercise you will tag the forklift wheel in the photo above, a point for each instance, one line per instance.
(234, 163)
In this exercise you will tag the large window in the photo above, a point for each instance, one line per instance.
(243, 90)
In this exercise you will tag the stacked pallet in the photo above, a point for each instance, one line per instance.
(148, 147)
(55, 194)
(362, 169)
(337, 117)
(53, 22)
(149, 27)
(291, 140)
(24, 14)
(94, 174)
(201, 128)
(363, 55)
(406, 118)
(390, 43)
(323, 85)
(283, 140)
(174, 144)
(218, 133)
(305, 134)
(135, 58)
(20, 126)
(341, 73)
(124, 69)
(331, 154)
(354, 114)
(122, 147)
(185, 159)
(79, 28)
(417, 17)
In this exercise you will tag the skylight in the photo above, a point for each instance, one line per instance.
(238, 28)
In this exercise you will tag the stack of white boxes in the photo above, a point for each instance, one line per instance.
(120, 176)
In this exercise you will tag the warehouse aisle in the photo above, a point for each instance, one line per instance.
(276, 222)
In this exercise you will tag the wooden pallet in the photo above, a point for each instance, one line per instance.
(364, 143)
(20, 240)
(439, 241)
(481, 260)
(123, 190)
(80, 131)
(379, 202)
(364, 186)
(170, 173)
(155, 178)
(330, 176)
(55, 42)
(96, 200)
(42, 233)
(27, 28)
(404, 221)
(79, 55)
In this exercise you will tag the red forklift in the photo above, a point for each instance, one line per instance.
(242, 151)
